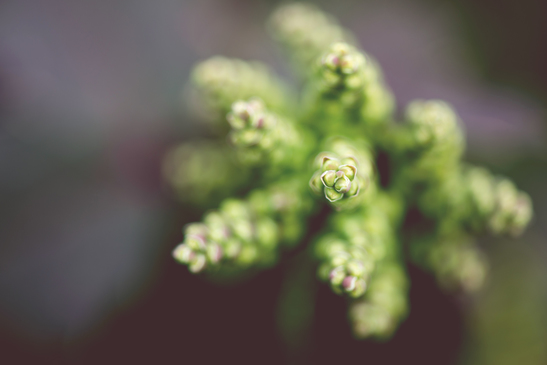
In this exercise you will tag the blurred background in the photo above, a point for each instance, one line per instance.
(90, 101)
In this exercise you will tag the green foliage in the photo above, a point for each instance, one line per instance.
(294, 160)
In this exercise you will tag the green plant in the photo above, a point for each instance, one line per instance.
(286, 157)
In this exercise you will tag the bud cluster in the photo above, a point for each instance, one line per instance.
(349, 256)
(385, 305)
(350, 79)
(512, 210)
(337, 178)
(344, 67)
(345, 266)
(432, 124)
(231, 235)
(428, 146)
(342, 124)
(344, 175)
(458, 197)
(244, 233)
(288, 203)
(305, 32)
(484, 202)
(455, 260)
(264, 138)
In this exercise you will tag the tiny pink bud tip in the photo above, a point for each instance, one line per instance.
(349, 283)
(260, 123)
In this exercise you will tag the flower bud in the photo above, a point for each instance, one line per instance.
(342, 184)
(330, 163)
(240, 115)
(232, 248)
(183, 254)
(356, 268)
(214, 252)
(328, 178)
(234, 209)
(196, 243)
(343, 58)
(196, 229)
(522, 214)
(332, 195)
(344, 68)
(354, 188)
(337, 276)
(359, 289)
(434, 121)
(348, 170)
(243, 229)
(197, 264)
(349, 283)
(248, 255)
(218, 230)
(340, 258)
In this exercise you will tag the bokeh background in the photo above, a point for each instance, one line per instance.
(91, 99)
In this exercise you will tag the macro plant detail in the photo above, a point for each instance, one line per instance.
(277, 160)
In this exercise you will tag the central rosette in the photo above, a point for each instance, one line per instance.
(338, 177)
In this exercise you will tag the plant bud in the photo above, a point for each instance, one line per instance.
(340, 258)
(356, 268)
(359, 289)
(348, 170)
(240, 115)
(328, 178)
(349, 283)
(196, 243)
(337, 276)
(232, 248)
(197, 264)
(330, 163)
(433, 120)
(343, 58)
(196, 229)
(248, 255)
(342, 184)
(214, 252)
(332, 195)
(522, 214)
(354, 188)
(243, 229)
(234, 209)
(183, 254)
